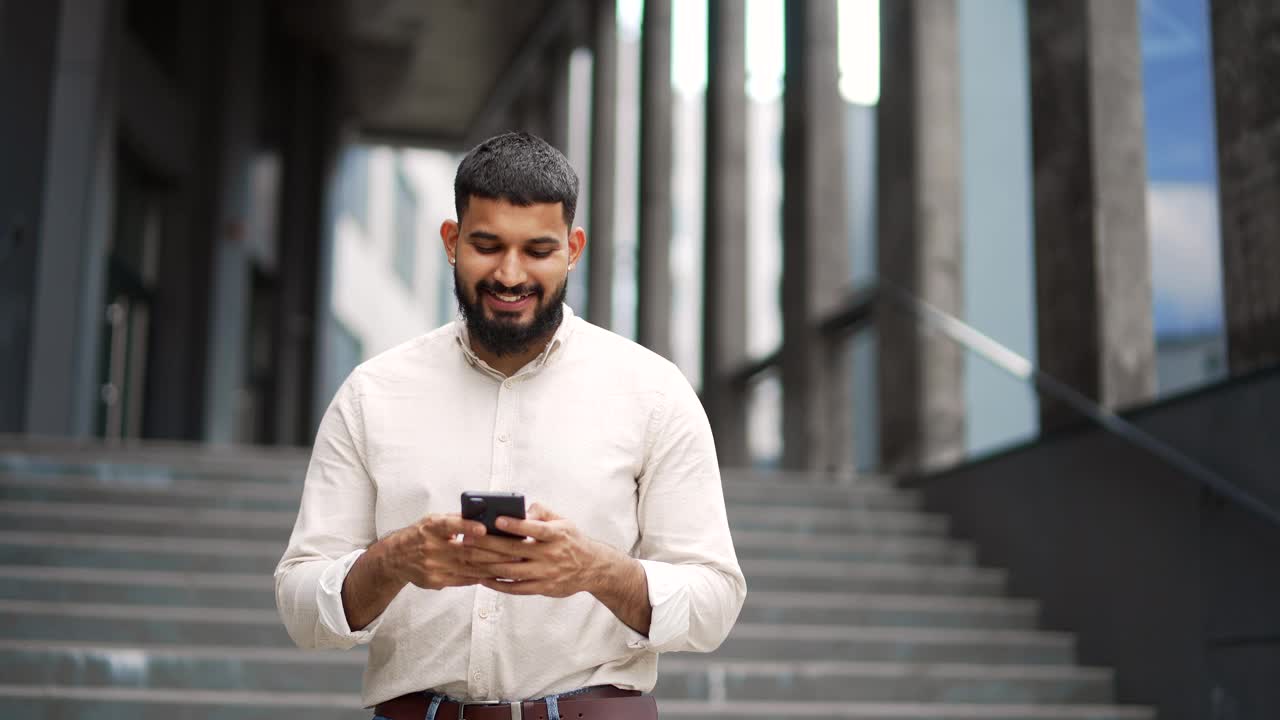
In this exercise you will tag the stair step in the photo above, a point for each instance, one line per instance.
(142, 587)
(114, 623)
(874, 497)
(805, 478)
(869, 577)
(838, 520)
(693, 710)
(243, 463)
(680, 676)
(687, 678)
(41, 701)
(224, 495)
(136, 583)
(750, 641)
(889, 610)
(117, 623)
(233, 494)
(132, 520)
(239, 590)
(139, 552)
(158, 666)
(829, 546)
(255, 556)
(212, 522)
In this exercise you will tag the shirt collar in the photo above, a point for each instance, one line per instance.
(551, 350)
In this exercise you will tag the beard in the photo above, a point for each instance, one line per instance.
(503, 335)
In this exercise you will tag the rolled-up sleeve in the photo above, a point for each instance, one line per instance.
(335, 523)
(696, 588)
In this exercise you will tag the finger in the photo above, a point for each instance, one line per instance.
(473, 573)
(457, 580)
(451, 524)
(538, 511)
(480, 556)
(515, 571)
(539, 530)
(536, 587)
(509, 547)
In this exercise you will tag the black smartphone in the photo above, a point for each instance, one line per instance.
(487, 507)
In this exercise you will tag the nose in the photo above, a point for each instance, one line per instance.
(510, 270)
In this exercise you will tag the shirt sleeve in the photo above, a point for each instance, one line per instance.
(696, 588)
(335, 524)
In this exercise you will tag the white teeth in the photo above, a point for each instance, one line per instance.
(508, 298)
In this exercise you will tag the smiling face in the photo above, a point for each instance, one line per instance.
(511, 271)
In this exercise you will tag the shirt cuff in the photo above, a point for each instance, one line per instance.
(669, 600)
(333, 616)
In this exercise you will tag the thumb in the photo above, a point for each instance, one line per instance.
(538, 511)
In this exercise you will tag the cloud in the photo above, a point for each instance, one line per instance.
(1186, 261)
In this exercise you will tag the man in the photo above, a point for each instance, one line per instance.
(630, 553)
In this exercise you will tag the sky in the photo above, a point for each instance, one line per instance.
(1182, 190)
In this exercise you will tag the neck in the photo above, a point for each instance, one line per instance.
(509, 364)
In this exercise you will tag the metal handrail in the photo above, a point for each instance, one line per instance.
(859, 310)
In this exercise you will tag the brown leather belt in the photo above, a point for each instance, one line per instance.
(604, 702)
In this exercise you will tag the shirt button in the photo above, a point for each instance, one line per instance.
(483, 614)
(503, 437)
(477, 676)
(508, 384)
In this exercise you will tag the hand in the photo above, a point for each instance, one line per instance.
(428, 554)
(556, 560)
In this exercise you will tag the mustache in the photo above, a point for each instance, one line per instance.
(525, 289)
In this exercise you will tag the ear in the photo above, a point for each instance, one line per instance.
(577, 243)
(449, 236)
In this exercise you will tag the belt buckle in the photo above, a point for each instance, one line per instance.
(517, 711)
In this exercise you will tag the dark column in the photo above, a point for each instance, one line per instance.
(557, 93)
(1246, 63)
(724, 316)
(231, 277)
(815, 383)
(604, 142)
(1093, 269)
(654, 251)
(309, 151)
(28, 45)
(921, 387)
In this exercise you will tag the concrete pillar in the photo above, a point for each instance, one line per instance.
(309, 152)
(921, 222)
(28, 51)
(604, 163)
(815, 383)
(226, 367)
(724, 308)
(654, 252)
(1246, 64)
(1093, 268)
(557, 94)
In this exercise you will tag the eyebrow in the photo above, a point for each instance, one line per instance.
(544, 240)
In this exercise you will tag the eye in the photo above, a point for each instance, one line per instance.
(540, 253)
(486, 249)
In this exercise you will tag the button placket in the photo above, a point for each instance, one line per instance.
(502, 438)
(481, 646)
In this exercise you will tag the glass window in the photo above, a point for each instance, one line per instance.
(1182, 193)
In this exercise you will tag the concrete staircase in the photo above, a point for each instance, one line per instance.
(136, 583)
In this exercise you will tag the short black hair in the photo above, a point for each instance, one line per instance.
(520, 168)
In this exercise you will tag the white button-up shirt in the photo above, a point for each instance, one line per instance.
(597, 428)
